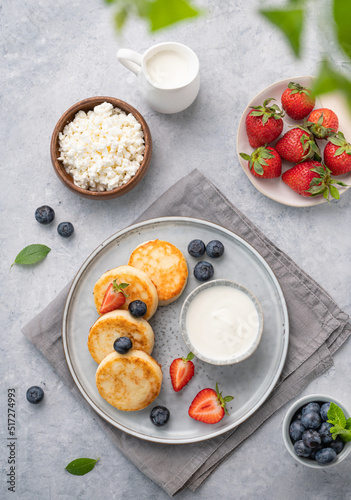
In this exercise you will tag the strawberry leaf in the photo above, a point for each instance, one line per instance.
(334, 192)
(245, 156)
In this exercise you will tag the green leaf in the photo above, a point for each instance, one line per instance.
(342, 16)
(289, 20)
(329, 80)
(245, 156)
(258, 168)
(31, 254)
(334, 192)
(348, 424)
(226, 399)
(163, 13)
(81, 466)
(336, 415)
(121, 16)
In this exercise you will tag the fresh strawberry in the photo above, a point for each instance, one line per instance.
(297, 101)
(264, 124)
(312, 178)
(181, 371)
(114, 297)
(297, 145)
(209, 406)
(264, 162)
(337, 154)
(322, 122)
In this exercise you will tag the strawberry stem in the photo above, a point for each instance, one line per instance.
(119, 287)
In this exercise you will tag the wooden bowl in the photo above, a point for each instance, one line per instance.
(67, 179)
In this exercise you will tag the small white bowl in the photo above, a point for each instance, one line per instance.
(286, 425)
(183, 313)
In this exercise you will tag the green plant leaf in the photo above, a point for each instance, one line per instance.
(336, 415)
(162, 13)
(289, 20)
(31, 254)
(342, 16)
(81, 466)
(329, 80)
(348, 424)
(121, 16)
(334, 192)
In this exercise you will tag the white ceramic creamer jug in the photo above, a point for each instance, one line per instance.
(168, 75)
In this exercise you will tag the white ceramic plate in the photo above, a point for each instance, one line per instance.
(276, 189)
(250, 381)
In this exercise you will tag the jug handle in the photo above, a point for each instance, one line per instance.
(130, 59)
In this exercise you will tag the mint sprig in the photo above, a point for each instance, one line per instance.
(341, 425)
(31, 254)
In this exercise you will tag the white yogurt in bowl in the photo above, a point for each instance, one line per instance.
(221, 322)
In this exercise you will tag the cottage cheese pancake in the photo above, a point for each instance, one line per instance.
(129, 382)
(140, 288)
(116, 324)
(165, 265)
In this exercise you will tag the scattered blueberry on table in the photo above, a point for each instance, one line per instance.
(196, 248)
(35, 394)
(215, 249)
(203, 271)
(159, 415)
(65, 229)
(44, 214)
(122, 345)
(137, 308)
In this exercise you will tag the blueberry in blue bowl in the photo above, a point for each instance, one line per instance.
(215, 249)
(196, 248)
(203, 271)
(312, 434)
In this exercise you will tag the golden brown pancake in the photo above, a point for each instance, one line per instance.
(116, 324)
(140, 288)
(129, 382)
(165, 265)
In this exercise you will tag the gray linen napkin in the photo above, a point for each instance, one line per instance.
(310, 308)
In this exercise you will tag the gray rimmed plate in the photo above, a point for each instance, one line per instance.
(250, 382)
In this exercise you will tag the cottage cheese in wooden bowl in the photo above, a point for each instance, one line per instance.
(101, 147)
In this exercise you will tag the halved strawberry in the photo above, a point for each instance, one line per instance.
(181, 371)
(114, 297)
(209, 406)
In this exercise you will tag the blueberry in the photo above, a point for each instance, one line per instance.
(326, 456)
(324, 431)
(314, 452)
(297, 415)
(122, 345)
(65, 229)
(311, 438)
(311, 407)
(311, 420)
(35, 394)
(159, 415)
(137, 308)
(337, 445)
(296, 430)
(203, 271)
(44, 214)
(301, 449)
(324, 411)
(215, 249)
(196, 248)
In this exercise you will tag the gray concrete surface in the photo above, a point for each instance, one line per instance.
(54, 54)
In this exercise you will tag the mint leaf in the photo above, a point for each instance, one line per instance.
(81, 466)
(348, 424)
(289, 20)
(162, 13)
(342, 15)
(31, 254)
(336, 416)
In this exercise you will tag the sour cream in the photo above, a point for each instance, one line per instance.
(169, 69)
(222, 322)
